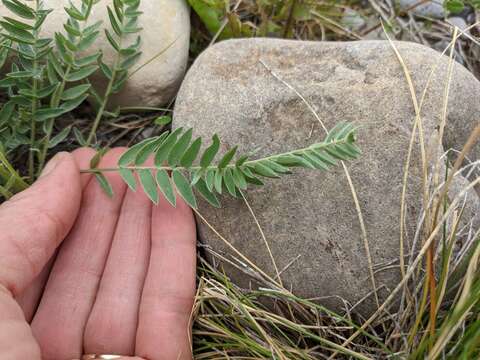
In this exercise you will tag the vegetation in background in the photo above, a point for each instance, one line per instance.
(456, 6)
(292, 19)
(48, 78)
(264, 18)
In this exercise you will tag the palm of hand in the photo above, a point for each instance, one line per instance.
(122, 282)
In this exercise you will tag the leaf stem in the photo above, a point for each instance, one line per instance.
(214, 167)
(108, 92)
(33, 125)
(51, 122)
(101, 110)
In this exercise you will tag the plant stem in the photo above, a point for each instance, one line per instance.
(51, 122)
(108, 92)
(214, 167)
(101, 110)
(33, 129)
(33, 125)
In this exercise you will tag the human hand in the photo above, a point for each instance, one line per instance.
(86, 274)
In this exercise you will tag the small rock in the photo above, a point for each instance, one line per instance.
(164, 22)
(457, 21)
(353, 20)
(433, 9)
(148, 132)
(309, 218)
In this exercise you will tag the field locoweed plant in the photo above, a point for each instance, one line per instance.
(175, 165)
(46, 78)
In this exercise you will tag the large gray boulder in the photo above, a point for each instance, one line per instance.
(166, 27)
(309, 218)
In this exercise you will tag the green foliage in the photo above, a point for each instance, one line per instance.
(456, 6)
(124, 23)
(264, 18)
(176, 153)
(50, 77)
(40, 70)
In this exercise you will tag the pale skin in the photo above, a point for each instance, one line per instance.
(82, 273)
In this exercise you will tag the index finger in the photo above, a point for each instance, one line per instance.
(164, 328)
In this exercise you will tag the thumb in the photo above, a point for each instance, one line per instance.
(34, 222)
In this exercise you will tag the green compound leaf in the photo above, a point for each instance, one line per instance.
(179, 148)
(218, 180)
(209, 179)
(197, 175)
(75, 92)
(164, 149)
(130, 61)
(87, 40)
(18, 24)
(239, 179)
(129, 178)
(183, 187)
(129, 156)
(48, 113)
(210, 152)
(191, 154)
(263, 170)
(229, 182)
(69, 105)
(165, 186)
(148, 184)
(227, 157)
(21, 34)
(113, 22)
(174, 153)
(74, 13)
(104, 184)
(19, 9)
(206, 193)
(60, 137)
(82, 73)
(112, 41)
(148, 149)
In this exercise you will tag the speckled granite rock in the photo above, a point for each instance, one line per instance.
(309, 218)
(433, 9)
(164, 22)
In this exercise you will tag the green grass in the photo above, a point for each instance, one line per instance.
(272, 323)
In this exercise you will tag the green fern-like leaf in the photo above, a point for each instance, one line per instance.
(179, 165)
(43, 81)
(123, 17)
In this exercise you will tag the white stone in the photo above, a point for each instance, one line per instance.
(166, 25)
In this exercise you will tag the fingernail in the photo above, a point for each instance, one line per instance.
(52, 164)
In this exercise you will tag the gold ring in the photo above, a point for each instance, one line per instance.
(100, 356)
